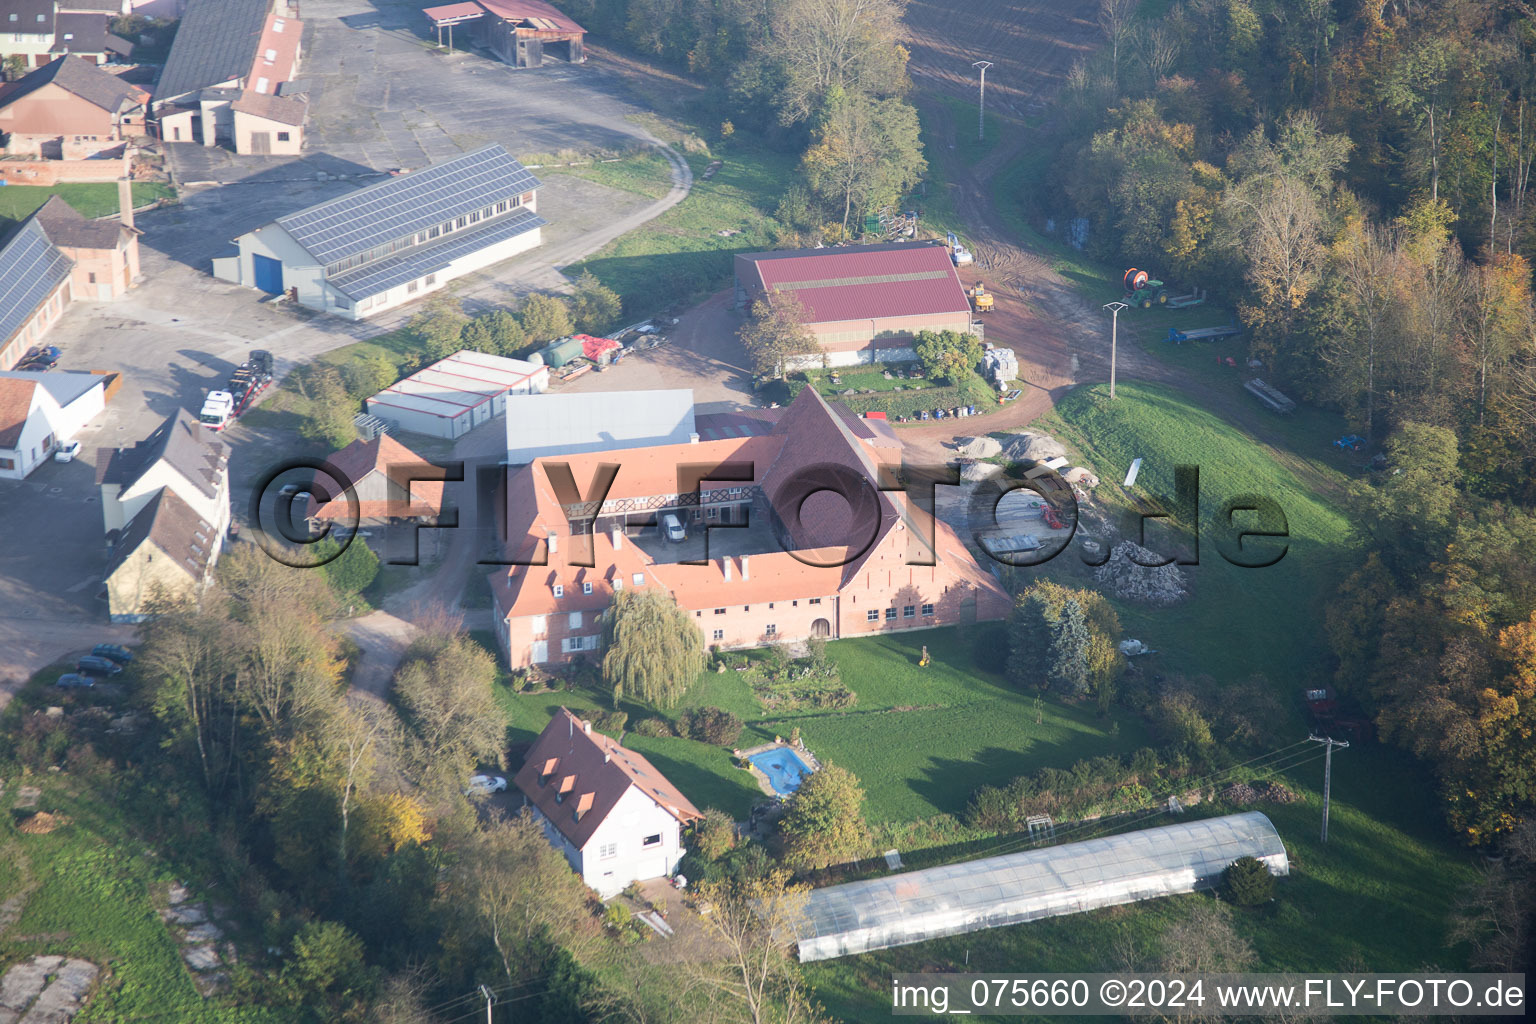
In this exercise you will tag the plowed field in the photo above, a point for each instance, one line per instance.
(1032, 43)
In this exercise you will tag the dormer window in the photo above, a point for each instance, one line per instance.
(583, 805)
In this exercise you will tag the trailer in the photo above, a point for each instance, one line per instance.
(1179, 337)
(223, 405)
(1271, 398)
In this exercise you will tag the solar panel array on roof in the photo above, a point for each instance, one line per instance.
(917, 905)
(381, 213)
(31, 267)
(414, 264)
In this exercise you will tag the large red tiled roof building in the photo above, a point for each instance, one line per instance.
(864, 303)
(802, 562)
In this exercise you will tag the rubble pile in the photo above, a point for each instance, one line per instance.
(978, 447)
(1035, 447)
(1163, 585)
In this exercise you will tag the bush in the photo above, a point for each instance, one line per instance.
(497, 333)
(653, 727)
(710, 725)
(715, 836)
(610, 722)
(1247, 882)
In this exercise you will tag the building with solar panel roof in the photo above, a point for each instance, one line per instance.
(863, 303)
(396, 241)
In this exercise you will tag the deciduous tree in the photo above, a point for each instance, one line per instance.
(823, 821)
(655, 652)
(773, 334)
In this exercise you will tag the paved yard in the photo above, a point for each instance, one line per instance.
(382, 101)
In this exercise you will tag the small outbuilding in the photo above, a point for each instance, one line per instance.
(915, 906)
(520, 32)
(455, 395)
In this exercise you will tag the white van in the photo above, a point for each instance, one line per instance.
(672, 528)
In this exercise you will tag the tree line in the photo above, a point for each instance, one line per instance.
(826, 79)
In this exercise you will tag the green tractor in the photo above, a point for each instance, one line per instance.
(1141, 290)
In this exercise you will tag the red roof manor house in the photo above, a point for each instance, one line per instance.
(802, 541)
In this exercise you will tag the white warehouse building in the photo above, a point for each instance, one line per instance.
(396, 241)
(455, 395)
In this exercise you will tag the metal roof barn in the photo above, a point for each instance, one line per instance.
(898, 910)
(454, 395)
(597, 421)
(862, 282)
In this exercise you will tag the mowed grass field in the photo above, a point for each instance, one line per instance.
(1239, 621)
(645, 173)
(90, 199)
(921, 740)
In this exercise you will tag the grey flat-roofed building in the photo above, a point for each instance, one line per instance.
(395, 241)
(915, 906)
(596, 421)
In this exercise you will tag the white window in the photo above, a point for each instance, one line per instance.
(559, 590)
(927, 609)
(770, 629)
(654, 840)
(608, 851)
(277, 26)
(639, 579)
(261, 84)
(271, 55)
(571, 644)
(540, 625)
(586, 588)
(719, 634)
(618, 583)
(573, 621)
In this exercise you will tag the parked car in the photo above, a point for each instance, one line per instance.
(67, 452)
(72, 680)
(672, 528)
(92, 665)
(112, 652)
(485, 785)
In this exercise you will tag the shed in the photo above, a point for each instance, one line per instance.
(454, 395)
(901, 909)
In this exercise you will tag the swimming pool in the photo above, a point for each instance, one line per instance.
(784, 769)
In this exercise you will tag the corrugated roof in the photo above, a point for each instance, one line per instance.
(530, 11)
(913, 906)
(590, 774)
(64, 385)
(864, 282)
(463, 10)
(216, 42)
(372, 216)
(31, 267)
(416, 263)
(82, 78)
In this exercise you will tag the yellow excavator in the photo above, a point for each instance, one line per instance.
(981, 299)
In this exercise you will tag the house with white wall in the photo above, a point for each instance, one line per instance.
(182, 456)
(41, 411)
(614, 816)
(396, 241)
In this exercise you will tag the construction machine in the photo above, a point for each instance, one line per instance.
(981, 299)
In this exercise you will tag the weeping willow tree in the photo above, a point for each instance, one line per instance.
(655, 652)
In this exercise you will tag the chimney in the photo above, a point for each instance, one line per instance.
(607, 756)
(586, 727)
(616, 535)
(744, 574)
(725, 566)
(554, 542)
(693, 438)
(125, 201)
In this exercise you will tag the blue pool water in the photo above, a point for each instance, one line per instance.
(783, 767)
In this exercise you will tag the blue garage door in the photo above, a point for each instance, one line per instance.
(269, 274)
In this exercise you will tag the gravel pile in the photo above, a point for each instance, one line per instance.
(1163, 585)
(978, 447)
(1036, 447)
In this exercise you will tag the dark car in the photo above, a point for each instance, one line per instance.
(112, 652)
(45, 358)
(92, 665)
(71, 680)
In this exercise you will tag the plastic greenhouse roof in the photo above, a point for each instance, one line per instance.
(1029, 885)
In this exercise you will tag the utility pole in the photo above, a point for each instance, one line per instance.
(489, 999)
(1329, 743)
(981, 107)
(1114, 339)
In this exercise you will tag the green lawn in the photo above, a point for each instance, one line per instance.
(92, 900)
(1239, 621)
(645, 173)
(920, 739)
(682, 256)
(91, 199)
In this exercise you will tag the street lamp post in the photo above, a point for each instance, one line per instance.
(981, 107)
(1114, 340)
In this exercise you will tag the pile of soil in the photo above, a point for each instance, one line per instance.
(42, 823)
(1034, 447)
(1241, 794)
(978, 447)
